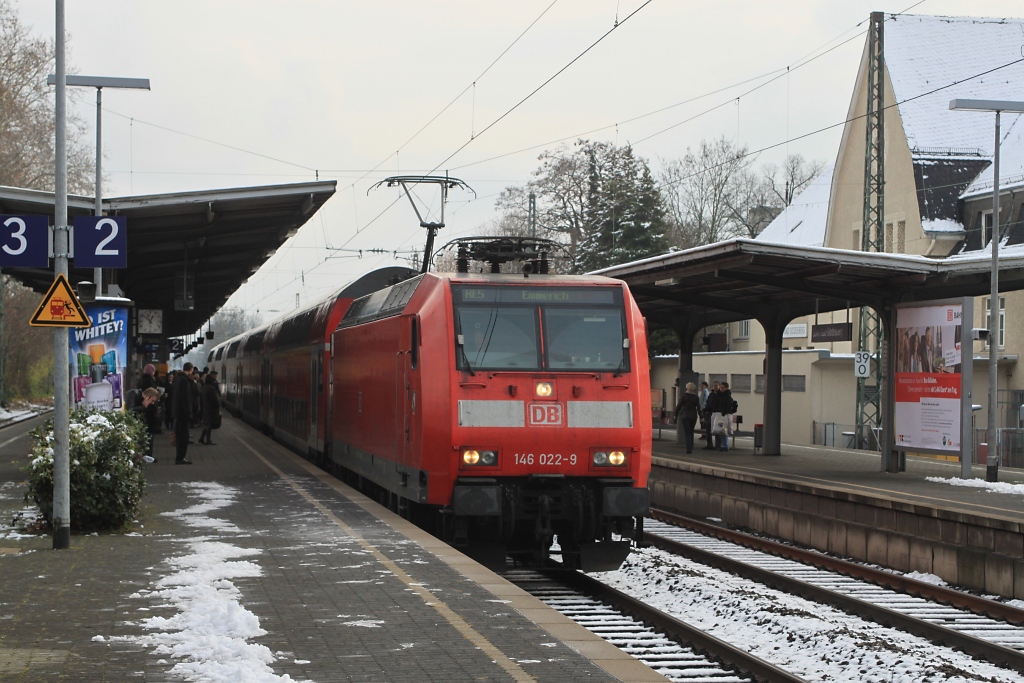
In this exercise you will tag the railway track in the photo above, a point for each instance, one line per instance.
(982, 628)
(674, 649)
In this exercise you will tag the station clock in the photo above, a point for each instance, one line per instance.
(150, 321)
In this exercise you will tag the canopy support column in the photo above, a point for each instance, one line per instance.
(773, 329)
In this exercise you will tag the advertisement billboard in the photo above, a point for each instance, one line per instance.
(929, 390)
(98, 357)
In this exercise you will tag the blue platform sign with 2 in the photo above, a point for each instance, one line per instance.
(24, 241)
(101, 242)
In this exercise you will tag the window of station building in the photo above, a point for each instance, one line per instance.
(759, 384)
(743, 329)
(740, 384)
(986, 226)
(888, 238)
(1002, 320)
(715, 377)
(794, 383)
(901, 237)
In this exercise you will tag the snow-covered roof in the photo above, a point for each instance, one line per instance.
(924, 53)
(803, 222)
(1011, 156)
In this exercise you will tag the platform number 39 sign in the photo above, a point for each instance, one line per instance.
(862, 364)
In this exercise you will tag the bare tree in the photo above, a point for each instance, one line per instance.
(27, 116)
(699, 192)
(28, 351)
(788, 181)
(715, 193)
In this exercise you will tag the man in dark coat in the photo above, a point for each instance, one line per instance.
(181, 400)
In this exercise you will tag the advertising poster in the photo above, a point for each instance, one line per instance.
(929, 379)
(98, 356)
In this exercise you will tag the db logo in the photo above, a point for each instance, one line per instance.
(546, 414)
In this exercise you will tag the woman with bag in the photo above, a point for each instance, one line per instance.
(211, 407)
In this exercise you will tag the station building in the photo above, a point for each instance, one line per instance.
(938, 183)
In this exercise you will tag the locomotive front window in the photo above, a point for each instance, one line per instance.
(499, 337)
(540, 328)
(584, 338)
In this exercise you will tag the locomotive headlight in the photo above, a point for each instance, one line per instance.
(609, 458)
(544, 390)
(472, 456)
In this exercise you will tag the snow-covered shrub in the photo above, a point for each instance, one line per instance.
(105, 454)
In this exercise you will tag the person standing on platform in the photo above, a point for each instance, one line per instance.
(686, 416)
(703, 398)
(211, 407)
(709, 411)
(724, 405)
(168, 399)
(147, 411)
(181, 399)
(148, 378)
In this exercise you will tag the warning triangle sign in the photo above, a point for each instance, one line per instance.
(60, 308)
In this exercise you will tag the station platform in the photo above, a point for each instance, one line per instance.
(859, 471)
(840, 501)
(252, 565)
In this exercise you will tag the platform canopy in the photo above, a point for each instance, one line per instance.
(219, 237)
(773, 283)
(745, 279)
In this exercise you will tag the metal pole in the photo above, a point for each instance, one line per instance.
(3, 347)
(61, 378)
(97, 274)
(993, 456)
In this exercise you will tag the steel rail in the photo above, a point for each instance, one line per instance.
(692, 636)
(976, 647)
(928, 591)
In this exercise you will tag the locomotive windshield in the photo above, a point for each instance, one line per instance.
(540, 328)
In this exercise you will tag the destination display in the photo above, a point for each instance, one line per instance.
(929, 378)
(536, 295)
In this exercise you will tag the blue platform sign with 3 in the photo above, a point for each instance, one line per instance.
(101, 242)
(24, 241)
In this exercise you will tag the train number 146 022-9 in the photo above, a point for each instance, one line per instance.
(550, 459)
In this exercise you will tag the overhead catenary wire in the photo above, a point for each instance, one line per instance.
(784, 71)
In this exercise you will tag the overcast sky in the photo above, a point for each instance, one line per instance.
(254, 92)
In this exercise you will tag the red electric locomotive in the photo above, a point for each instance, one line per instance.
(505, 409)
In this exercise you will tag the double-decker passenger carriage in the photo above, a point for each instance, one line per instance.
(275, 376)
(513, 405)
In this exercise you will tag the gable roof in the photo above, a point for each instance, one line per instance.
(925, 53)
(803, 221)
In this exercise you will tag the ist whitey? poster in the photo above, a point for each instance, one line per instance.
(98, 356)
(929, 381)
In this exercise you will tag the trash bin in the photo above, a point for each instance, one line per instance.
(849, 439)
(758, 436)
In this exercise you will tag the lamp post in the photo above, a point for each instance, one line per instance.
(993, 454)
(100, 82)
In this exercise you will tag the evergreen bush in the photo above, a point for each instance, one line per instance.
(106, 450)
